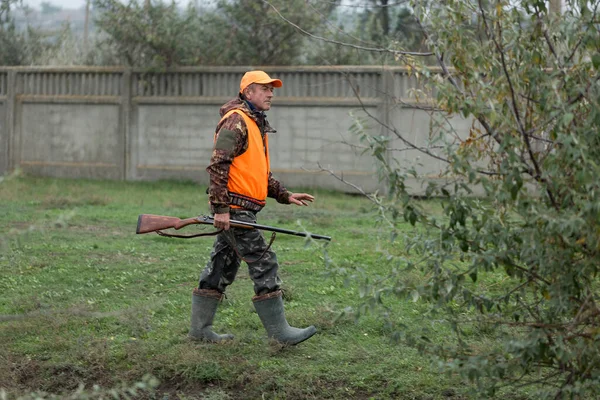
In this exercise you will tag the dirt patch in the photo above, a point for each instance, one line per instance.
(26, 374)
(19, 225)
(58, 202)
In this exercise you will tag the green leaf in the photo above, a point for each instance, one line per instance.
(412, 218)
(473, 276)
(567, 118)
(596, 61)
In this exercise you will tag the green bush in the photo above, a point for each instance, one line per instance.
(517, 260)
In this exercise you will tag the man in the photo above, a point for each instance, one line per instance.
(240, 182)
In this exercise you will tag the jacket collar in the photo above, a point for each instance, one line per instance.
(259, 116)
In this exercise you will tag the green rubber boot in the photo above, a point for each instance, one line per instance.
(204, 307)
(270, 310)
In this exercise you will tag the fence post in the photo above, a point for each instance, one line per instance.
(3, 137)
(387, 104)
(9, 151)
(126, 124)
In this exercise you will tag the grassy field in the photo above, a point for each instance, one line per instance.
(84, 300)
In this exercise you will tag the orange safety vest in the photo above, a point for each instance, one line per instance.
(249, 172)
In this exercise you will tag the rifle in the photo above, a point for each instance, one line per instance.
(156, 223)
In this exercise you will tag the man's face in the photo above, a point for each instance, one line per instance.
(260, 95)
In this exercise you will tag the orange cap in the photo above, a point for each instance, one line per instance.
(251, 77)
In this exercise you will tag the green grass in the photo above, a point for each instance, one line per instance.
(84, 300)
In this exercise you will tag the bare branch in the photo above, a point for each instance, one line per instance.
(371, 197)
(417, 106)
(341, 179)
(371, 49)
(334, 27)
(368, 5)
(537, 175)
(391, 149)
(549, 40)
(393, 129)
(455, 84)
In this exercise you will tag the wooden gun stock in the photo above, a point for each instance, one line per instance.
(155, 223)
(152, 223)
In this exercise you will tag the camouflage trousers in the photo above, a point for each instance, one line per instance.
(250, 244)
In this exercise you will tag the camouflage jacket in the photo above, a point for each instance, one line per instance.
(232, 141)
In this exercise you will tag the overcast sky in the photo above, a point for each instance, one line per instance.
(70, 3)
(80, 3)
(59, 3)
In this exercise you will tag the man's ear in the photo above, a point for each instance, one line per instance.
(249, 89)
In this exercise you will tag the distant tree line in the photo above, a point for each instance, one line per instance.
(160, 34)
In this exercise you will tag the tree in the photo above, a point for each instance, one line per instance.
(10, 40)
(150, 34)
(340, 26)
(389, 23)
(406, 30)
(519, 259)
(18, 46)
(48, 8)
(377, 18)
(250, 32)
(234, 32)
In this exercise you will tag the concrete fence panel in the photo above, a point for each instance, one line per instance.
(69, 140)
(172, 140)
(68, 123)
(173, 116)
(118, 123)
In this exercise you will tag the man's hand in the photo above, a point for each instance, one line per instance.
(301, 199)
(221, 221)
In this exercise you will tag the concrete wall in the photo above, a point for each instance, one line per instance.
(119, 123)
(63, 140)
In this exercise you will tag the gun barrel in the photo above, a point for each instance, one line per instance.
(154, 223)
(234, 222)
